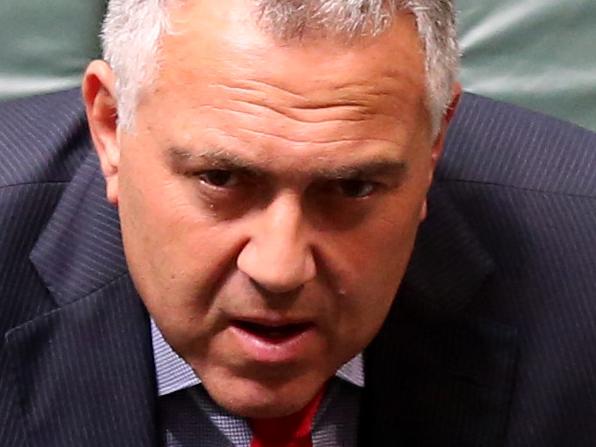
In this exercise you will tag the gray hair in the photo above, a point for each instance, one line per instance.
(132, 30)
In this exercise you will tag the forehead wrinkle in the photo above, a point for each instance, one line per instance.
(288, 114)
(356, 93)
(253, 85)
(351, 108)
(347, 102)
(311, 141)
(249, 85)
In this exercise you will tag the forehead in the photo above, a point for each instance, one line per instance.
(220, 41)
(223, 82)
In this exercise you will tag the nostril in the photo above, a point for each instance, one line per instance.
(274, 294)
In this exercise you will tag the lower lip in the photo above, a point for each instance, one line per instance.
(274, 350)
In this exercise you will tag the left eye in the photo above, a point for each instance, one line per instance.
(219, 178)
(354, 188)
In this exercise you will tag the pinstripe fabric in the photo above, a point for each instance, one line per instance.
(550, 285)
(47, 124)
(20, 215)
(515, 148)
(61, 294)
(30, 186)
(89, 262)
(490, 342)
(73, 395)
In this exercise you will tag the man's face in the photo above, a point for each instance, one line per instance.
(269, 199)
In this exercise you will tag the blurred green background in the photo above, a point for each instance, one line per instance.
(536, 53)
(45, 44)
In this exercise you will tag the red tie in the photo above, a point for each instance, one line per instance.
(288, 431)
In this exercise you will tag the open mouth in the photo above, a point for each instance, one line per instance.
(273, 334)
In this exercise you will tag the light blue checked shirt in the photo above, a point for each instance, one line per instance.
(188, 417)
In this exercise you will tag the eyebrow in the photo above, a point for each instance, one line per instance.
(368, 169)
(219, 158)
(215, 157)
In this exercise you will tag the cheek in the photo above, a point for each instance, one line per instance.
(382, 243)
(172, 248)
(177, 258)
(373, 260)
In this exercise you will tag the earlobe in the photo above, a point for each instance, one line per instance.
(102, 114)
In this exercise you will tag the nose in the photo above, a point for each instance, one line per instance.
(278, 256)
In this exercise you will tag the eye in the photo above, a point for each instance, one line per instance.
(355, 188)
(219, 178)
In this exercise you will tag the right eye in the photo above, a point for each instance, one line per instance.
(218, 178)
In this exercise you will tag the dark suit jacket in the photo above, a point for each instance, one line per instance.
(491, 341)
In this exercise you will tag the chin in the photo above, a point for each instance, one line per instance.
(262, 399)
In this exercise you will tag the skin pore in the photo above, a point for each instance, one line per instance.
(268, 189)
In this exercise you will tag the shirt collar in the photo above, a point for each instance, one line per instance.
(173, 374)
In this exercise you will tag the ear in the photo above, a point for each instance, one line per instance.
(99, 94)
(439, 142)
(437, 149)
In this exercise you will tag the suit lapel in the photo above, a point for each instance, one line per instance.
(85, 370)
(436, 376)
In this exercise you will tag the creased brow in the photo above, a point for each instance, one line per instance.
(214, 158)
(220, 158)
(367, 169)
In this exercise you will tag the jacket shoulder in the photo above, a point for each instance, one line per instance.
(501, 144)
(43, 139)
